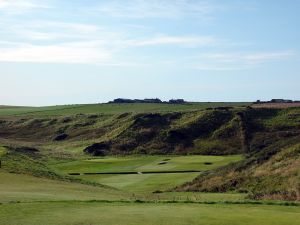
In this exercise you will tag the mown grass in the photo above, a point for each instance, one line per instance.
(142, 183)
(93, 213)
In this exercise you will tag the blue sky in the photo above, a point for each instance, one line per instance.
(88, 51)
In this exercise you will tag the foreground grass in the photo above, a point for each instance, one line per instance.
(93, 213)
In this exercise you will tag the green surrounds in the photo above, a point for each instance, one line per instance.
(25, 199)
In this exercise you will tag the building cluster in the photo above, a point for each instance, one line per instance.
(147, 100)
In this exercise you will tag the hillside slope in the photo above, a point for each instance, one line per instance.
(217, 131)
(272, 167)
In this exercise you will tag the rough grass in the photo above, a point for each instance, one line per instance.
(2, 151)
(89, 213)
(276, 105)
(274, 177)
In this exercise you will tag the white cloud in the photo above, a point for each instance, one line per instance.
(102, 50)
(66, 42)
(237, 61)
(40, 41)
(49, 30)
(265, 56)
(184, 41)
(20, 6)
(157, 8)
(81, 52)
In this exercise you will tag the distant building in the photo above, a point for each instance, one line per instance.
(176, 101)
(281, 101)
(152, 100)
(122, 100)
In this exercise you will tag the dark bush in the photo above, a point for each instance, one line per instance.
(61, 137)
(98, 149)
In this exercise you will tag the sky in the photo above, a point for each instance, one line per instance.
(90, 51)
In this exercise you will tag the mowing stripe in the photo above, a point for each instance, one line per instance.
(133, 172)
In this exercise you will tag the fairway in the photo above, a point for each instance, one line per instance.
(93, 213)
(140, 164)
(112, 108)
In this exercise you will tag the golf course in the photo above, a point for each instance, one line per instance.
(149, 112)
(123, 164)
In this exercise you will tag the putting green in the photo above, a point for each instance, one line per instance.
(143, 182)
